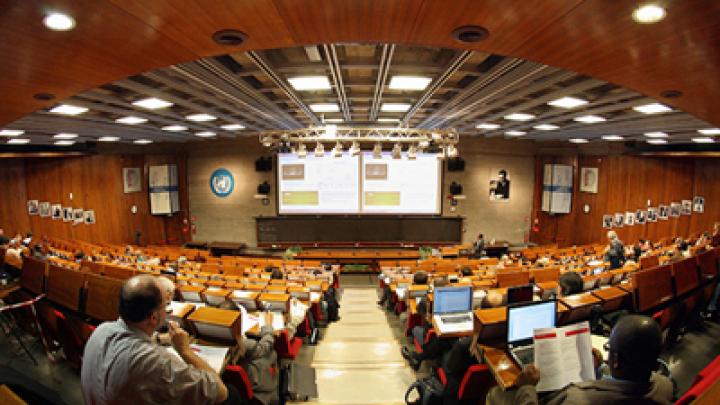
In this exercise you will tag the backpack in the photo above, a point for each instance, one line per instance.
(429, 391)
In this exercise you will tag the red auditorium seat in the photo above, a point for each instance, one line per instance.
(71, 343)
(698, 389)
(287, 348)
(236, 376)
(476, 383)
(708, 371)
(430, 334)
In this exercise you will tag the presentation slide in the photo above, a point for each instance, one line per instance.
(401, 186)
(318, 185)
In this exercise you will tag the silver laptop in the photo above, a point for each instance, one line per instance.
(453, 304)
(522, 320)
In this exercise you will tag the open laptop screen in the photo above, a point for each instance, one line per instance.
(452, 300)
(523, 319)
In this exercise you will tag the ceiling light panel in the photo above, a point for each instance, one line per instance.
(232, 127)
(109, 139)
(487, 125)
(612, 137)
(703, 140)
(653, 108)
(519, 117)
(302, 83)
(174, 128)
(11, 132)
(59, 22)
(142, 141)
(648, 14)
(589, 119)
(202, 117)
(515, 133)
(18, 141)
(546, 127)
(131, 120)
(152, 103)
(395, 107)
(324, 107)
(68, 109)
(709, 131)
(656, 134)
(578, 140)
(657, 141)
(409, 82)
(567, 102)
(64, 143)
(205, 134)
(65, 135)
(388, 120)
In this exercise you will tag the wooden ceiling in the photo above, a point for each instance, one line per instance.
(120, 51)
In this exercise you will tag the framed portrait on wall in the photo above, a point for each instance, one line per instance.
(132, 180)
(640, 216)
(686, 207)
(607, 221)
(675, 209)
(652, 214)
(33, 207)
(699, 204)
(44, 208)
(499, 185)
(619, 220)
(67, 214)
(663, 212)
(89, 216)
(78, 217)
(589, 179)
(56, 211)
(629, 218)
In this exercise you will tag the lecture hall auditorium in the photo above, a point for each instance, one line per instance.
(359, 202)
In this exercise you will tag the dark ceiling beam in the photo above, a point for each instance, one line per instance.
(261, 63)
(452, 67)
(336, 75)
(383, 67)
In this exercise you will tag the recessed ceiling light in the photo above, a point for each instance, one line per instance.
(11, 132)
(334, 120)
(68, 109)
(324, 107)
(648, 14)
(395, 107)
(703, 140)
(130, 120)
(546, 127)
(65, 135)
(301, 83)
(64, 143)
(59, 22)
(656, 134)
(174, 128)
(487, 125)
(567, 102)
(589, 119)
(409, 82)
(18, 141)
(232, 127)
(656, 141)
(152, 103)
(205, 134)
(652, 108)
(706, 131)
(388, 120)
(519, 117)
(142, 141)
(578, 140)
(202, 117)
(109, 138)
(612, 137)
(515, 133)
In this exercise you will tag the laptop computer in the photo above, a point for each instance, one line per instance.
(452, 308)
(522, 319)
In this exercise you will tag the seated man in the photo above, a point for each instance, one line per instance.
(634, 347)
(122, 365)
(570, 283)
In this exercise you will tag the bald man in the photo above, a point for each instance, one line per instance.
(634, 348)
(122, 365)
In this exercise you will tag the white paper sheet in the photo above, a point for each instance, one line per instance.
(213, 356)
(563, 356)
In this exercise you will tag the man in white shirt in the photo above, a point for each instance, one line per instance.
(121, 364)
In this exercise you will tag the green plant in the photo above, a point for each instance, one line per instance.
(291, 252)
(425, 252)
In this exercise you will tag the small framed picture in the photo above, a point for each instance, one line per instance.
(699, 204)
(652, 214)
(619, 220)
(629, 218)
(607, 221)
(67, 214)
(78, 217)
(131, 180)
(589, 179)
(89, 217)
(663, 212)
(686, 207)
(675, 209)
(33, 207)
(56, 211)
(640, 216)
(44, 209)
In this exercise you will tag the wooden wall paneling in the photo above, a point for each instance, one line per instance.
(13, 209)
(707, 177)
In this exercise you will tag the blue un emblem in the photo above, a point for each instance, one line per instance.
(222, 183)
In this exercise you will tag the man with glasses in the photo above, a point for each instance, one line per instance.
(122, 365)
(633, 349)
